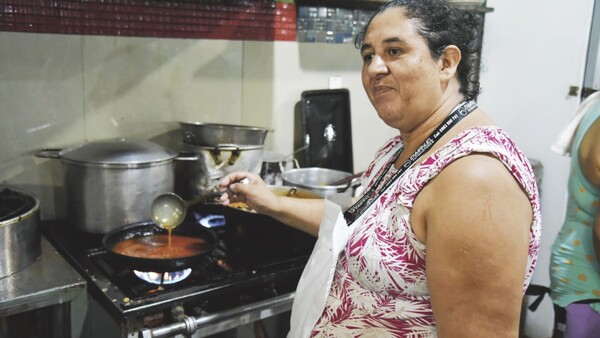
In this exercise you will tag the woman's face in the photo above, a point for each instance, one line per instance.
(401, 78)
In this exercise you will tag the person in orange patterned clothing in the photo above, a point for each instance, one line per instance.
(444, 238)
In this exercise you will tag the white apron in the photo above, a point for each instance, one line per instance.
(315, 282)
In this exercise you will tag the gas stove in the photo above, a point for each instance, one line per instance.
(236, 283)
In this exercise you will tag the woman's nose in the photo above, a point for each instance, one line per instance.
(377, 66)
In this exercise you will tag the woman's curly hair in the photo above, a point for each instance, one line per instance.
(441, 24)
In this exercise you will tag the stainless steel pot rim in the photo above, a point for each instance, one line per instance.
(291, 177)
(92, 164)
(324, 188)
(121, 151)
(224, 147)
(211, 134)
(223, 126)
(25, 215)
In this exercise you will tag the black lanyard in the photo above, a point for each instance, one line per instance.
(358, 208)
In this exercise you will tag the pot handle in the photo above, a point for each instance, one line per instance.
(187, 156)
(292, 193)
(294, 161)
(235, 154)
(354, 182)
(233, 157)
(49, 153)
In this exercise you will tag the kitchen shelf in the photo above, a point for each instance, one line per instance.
(474, 8)
(339, 21)
(348, 4)
(374, 4)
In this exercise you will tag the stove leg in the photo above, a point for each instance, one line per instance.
(78, 308)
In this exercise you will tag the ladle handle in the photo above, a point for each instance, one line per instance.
(204, 195)
(346, 179)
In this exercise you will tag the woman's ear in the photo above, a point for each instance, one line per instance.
(449, 60)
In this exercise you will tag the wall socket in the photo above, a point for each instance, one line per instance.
(335, 82)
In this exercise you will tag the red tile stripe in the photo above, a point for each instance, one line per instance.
(207, 19)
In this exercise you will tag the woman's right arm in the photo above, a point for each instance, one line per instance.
(597, 235)
(301, 213)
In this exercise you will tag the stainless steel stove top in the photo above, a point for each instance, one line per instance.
(234, 281)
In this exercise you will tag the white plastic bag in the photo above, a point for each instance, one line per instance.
(315, 282)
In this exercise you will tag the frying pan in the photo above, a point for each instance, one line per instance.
(148, 228)
(251, 231)
(254, 233)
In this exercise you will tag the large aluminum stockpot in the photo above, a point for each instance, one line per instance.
(110, 183)
(318, 180)
(219, 149)
(212, 163)
(19, 231)
(214, 134)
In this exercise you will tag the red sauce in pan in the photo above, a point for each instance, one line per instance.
(161, 246)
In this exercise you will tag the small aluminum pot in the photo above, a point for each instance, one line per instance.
(110, 183)
(273, 165)
(19, 231)
(318, 181)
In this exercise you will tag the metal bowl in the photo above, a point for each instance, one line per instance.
(19, 231)
(318, 181)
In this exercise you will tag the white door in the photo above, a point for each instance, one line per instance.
(533, 51)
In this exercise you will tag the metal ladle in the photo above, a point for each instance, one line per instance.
(168, 210)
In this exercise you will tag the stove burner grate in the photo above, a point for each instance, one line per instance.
(230, 276)
(161, 278)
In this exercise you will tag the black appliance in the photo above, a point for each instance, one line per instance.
(237, 283)
(322, 128)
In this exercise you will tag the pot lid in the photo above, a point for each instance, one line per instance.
(14, 204)
(119, 152)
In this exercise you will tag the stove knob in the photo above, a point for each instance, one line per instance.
(270, 292)
(198, 311)
(246, 298)
(178, 313)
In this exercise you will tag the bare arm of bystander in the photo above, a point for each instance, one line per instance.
(589, 159)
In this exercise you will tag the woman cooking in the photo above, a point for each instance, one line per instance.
(445, 237)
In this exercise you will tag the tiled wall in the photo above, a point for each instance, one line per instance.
(58, 90)
(211, 19)
(61, 90)
(331, 25)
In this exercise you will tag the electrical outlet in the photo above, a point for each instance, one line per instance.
(335, 82)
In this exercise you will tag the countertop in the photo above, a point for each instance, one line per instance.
(50, 280)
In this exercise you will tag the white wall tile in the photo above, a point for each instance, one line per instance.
(62, 90)
(141, 86)
(41, 97)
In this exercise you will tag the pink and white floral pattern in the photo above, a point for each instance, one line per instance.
(380, 285)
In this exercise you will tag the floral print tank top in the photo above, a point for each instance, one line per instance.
(380, 286)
